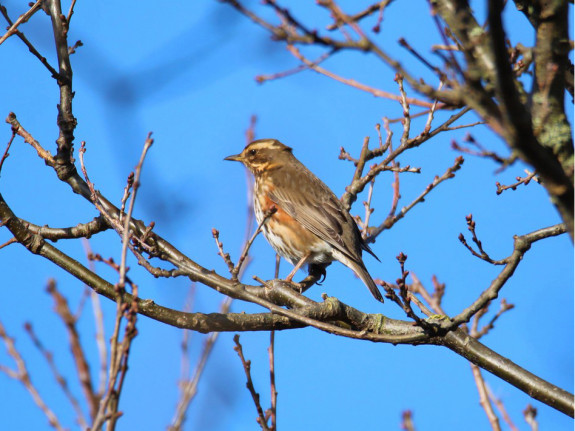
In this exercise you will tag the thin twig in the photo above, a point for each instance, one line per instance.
(379, 6)
(300, 68)
(21, 374)
(481, 150)
(352, 82)
(6, 154)
(484, 398)
(501, 407)
(530, 415)
(404, 300)
(21, 19)
(79, 355)
(482, 254)
(12, 240)
(60, 379)
(274, 393)
(126, 233)
(99, 324)
(427, 127)
(70, 13)
(520, 180)
(521, 245)
(390, 221)
(267, 214)
(403, 43)
(29, 45)
(19, 130)
(190, 387)
(368, 210)
(503, 307)
(108, 410)
(261, 420)
(407, 421)
(126, 195)
(224, 255)
(94, 195)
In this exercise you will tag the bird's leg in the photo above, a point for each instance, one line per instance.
(298, 266)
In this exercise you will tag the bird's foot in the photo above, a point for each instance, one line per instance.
(317, 271)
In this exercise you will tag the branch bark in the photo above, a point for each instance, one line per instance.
(541, 138)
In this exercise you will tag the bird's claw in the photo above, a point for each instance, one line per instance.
(317, 270)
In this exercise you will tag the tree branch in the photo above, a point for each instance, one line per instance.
(522, 245)
(533, 138)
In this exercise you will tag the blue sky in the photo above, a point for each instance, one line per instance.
(186, 71)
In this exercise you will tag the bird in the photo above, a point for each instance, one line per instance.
(305, 222)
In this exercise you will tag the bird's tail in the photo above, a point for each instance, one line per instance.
(361, 271)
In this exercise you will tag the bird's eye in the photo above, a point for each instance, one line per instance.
(252, 152)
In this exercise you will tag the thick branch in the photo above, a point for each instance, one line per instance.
(533, 138)
(552, 49)
(66, 121)
(458, 16)
(527, 7)
(82, 230)
(372, 327)
(477, 353)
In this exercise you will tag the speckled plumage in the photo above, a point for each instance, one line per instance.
(309, 221)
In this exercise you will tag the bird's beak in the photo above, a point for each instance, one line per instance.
(234, 158)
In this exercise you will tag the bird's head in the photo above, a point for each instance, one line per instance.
(263, 155)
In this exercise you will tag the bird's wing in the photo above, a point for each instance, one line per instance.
(315, 206)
